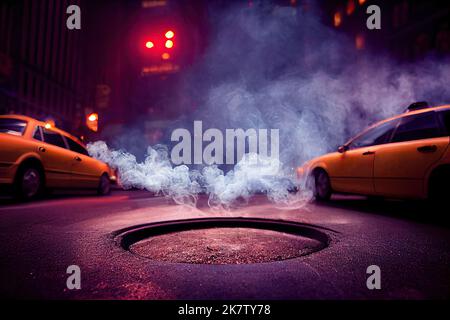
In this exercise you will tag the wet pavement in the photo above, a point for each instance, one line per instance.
(408, 241)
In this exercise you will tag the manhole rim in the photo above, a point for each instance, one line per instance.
(126, 237)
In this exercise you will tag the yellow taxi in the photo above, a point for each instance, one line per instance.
(35, 155)
(405, 157)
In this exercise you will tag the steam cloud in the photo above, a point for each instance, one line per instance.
(267, 67)
(253, 173)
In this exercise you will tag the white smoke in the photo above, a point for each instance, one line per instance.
(271, 68)
(253, 174)
(274, 68)
(154, 174)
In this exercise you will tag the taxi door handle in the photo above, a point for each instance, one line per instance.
(41, 149)
(427, 149)
(78, 158)
(368, 153)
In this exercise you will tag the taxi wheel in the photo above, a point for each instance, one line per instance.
(29, 182)
(104, 185)
(322, 185)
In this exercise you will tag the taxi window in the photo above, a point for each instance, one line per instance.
(417, 127)
(445, 117)
(53, 138)
(380, 134)
(38, 134)
(76, 147)
(12, 126)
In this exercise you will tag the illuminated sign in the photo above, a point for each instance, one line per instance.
(146, 4)
(160, 69)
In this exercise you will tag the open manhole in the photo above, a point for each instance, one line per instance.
(223, 240)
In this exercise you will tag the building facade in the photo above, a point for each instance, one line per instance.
(410, 30)
(50, 72)
(40, 61)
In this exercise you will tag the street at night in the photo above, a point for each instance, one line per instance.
(40, 240)
(225, 158)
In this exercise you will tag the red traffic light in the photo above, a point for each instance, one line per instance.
(169, 44)
(149, 44)
(169, 34)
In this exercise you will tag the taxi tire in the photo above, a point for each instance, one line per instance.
(29, 169)
(322, 185)
(104, 185)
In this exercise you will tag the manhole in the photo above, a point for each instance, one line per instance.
(223, 240)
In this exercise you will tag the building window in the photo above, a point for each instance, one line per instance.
(422, 45)
(359, 42)
(350, 7)
(337, 18)
(404, 13)
(443, 39)
(24, 83)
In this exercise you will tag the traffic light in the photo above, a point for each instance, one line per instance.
(169, 44)
(158, 43)
(159, 49)
(170, 34)
(92, 121)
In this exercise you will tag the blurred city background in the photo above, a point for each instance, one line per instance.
(122, 66)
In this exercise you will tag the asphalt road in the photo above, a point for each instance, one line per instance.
(38, 241)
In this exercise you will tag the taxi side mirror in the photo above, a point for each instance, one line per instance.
(342, 149)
